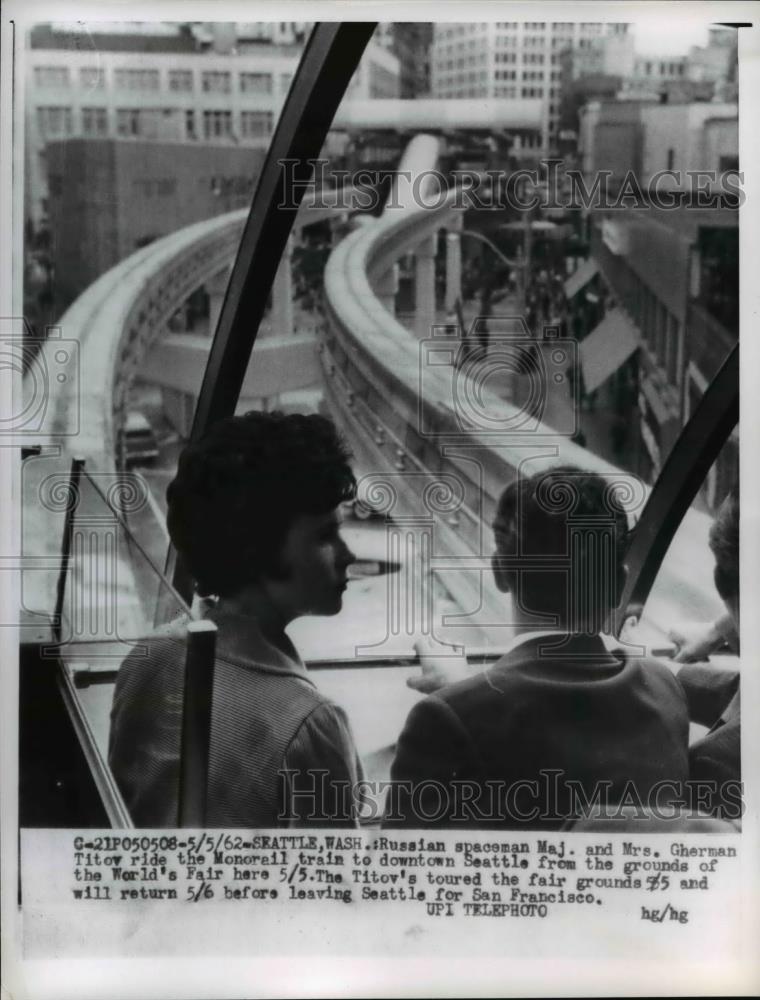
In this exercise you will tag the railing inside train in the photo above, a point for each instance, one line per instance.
(77, 467)
(84, 540)
(195, 736)
(195, 741)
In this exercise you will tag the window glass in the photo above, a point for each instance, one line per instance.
(153, 137)
(623, 316)
(684, 602)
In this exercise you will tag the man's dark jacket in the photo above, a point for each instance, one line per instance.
(556, 721)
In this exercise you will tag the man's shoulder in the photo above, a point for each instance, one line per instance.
(491, 682)
(707, 678)
(717, 755)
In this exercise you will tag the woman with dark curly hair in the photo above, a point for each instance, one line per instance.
(254, 513)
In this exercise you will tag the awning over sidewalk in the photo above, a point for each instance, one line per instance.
(580, 277)
(607, 347)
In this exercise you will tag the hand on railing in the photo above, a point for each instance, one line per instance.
(441, 665)
(695, 643)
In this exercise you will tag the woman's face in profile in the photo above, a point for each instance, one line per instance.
(314, 562)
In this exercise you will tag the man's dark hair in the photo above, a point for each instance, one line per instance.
(568, 529)
(724, 543)
(238, 490)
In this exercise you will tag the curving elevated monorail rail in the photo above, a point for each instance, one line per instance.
(406, 443)
(414, 449)
(115, 323)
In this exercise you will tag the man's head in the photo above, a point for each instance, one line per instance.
(560, 540)
(724, 543)
(256, 502)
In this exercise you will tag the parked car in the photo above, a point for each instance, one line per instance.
(140, 444)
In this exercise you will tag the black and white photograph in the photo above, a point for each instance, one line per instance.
(373, 497)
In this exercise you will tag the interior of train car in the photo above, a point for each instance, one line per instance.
(451, 340)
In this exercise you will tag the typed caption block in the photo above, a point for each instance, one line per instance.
(471, 876)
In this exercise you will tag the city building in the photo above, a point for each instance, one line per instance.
(716, 62)
(670, 274)
(608, 67)
(651, 73)
(411, 42)
(513, 59)
(215, 83)
(376, 76)
(646, 137)
(704, 73)
(108, 197)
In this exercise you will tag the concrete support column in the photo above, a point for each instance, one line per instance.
(216, 287)
(385, 288)
(424, 291)
(282, 294)
(453, 264)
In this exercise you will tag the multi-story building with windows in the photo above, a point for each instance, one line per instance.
(513, 59)
(182, 83)
(672, 269)
(410, 41)
(110, 196)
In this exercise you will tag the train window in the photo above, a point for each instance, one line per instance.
(459, 328)
(683, 603)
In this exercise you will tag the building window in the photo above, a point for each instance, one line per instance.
(190, 132)
(256, 124)
(216, 83)
(217, 124)
(92, 77)
(256, 83)
(128, 121)
(136, 79)
(54, 121)
(51, 76)
(181, 80)
(671, 159)
(94, 121)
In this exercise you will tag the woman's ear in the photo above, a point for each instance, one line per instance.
(500, 573)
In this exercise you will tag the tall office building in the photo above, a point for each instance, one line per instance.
(214, 83)
(515, 59)
(411, 42)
